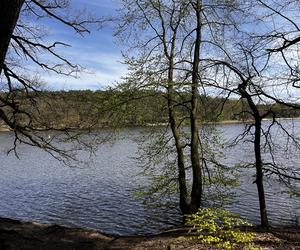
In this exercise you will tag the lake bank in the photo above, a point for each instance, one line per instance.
(5, 128)
(15, 234)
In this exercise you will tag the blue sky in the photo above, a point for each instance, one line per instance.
(97, 52)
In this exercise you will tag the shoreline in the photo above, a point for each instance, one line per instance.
(16, 234)
(4, 128)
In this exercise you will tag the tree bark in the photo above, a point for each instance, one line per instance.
(259, 174)
(9, 14)
(258, 160)
(196, 195)
(183, 196)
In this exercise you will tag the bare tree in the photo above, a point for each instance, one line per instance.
(249, 77)
(22, 43)
(280, 36)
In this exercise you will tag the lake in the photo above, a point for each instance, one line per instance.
(36, 187)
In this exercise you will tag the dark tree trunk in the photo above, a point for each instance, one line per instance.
(9, 14)
(196, 195)
(259, 174)
(183, 202)
(183, 196)
(258, 160)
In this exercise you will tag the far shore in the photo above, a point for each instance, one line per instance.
(4, 128)
(16, 235)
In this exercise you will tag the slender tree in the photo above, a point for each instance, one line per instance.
(165, 42)
(249, 78)
(194, 116)
(163, 21)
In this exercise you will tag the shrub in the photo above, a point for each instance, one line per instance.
(220, 227)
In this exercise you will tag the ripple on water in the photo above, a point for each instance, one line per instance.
(100, 197)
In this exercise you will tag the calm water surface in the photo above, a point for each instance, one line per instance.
(99, 196)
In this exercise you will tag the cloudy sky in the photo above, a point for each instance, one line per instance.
(97, 52)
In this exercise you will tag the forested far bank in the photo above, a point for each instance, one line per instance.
(97, 109)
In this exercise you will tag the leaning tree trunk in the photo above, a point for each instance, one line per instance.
(196, 195)
(9, 14)
(257, 149)
(259, 174)
(183, 196)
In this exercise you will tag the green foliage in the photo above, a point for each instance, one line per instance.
(220, 227)
(158, 162)
(123, 108)
(218, 178)
(158, 168)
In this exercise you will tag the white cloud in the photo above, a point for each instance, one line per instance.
(106, 70)
(112, 4)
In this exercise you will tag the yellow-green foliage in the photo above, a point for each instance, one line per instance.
(220, 227)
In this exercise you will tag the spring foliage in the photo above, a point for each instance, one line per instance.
(220, 227)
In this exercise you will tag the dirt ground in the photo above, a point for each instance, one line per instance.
(29, 235)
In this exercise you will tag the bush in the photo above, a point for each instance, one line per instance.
(220, 227)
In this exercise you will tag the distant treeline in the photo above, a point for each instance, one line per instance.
(87, 108)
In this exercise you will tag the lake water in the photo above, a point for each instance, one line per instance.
(37, 187)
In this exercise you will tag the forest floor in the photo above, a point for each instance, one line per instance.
(15, 235)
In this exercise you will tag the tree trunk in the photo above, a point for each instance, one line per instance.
(9, 14)
(258, 161)
(183, 203)
(183, 196)
(196, 195)
(259, 174)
